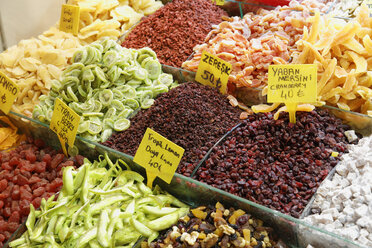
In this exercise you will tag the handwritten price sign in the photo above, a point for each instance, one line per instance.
(64, 123)
(8, 93)
(213, 71)
(70, 19)
(292, 83)
(219, 2)
(159, 156)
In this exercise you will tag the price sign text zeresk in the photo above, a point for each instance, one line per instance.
(292, 83)
(213, 71)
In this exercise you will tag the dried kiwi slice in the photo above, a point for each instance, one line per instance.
(121, 125)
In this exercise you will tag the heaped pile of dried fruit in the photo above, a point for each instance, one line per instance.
(217, 227)
(28, 173)
(173, 31)
(276, 163)
(192, 115)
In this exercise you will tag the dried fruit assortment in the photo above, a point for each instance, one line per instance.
(342, 50)
(175, 29)
(104, 85)
(192, 115)
(29, 173)
(103, 18)
(101, 205)
(275, 163)
(34, 63)
(217, 227)
(253, 43)
(119, 89)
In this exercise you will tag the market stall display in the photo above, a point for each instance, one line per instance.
(276, 163)
(342, 52)
(29, 173)
(253, 43)
(217, 226)
(175, 29)
(343, 203)
(101, 205)
(192, 115)
(268, 173)
(105, 84)
(34, 63)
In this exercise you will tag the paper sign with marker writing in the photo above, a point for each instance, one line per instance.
(213, 71)
(219, 2)
(70, 19)
(292, 83)
(159, 156)
(64, 123)
(8, 93)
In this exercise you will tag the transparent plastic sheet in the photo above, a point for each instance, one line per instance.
(335, 111)
(17, 234)
(38, 130)
(306, 232)
(252, 96)
(307, 210)
(294, 232)
(359, 122)
(195, 194)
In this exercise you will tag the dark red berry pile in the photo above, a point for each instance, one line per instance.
(274, 162)
(191, 115)
(27, 174)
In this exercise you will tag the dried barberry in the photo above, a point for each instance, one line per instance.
(192, 115)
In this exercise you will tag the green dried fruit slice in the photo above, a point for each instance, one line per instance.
(121, 125)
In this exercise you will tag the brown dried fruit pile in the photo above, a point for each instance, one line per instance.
(192, 115)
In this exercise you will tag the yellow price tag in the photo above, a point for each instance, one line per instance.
(8, 93)
(292, 84)
(159, 156)
(213, 71)
(70, 19)
(219, 2)
(64, 123)
(369, 5)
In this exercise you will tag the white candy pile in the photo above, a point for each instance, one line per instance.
(343, 205)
